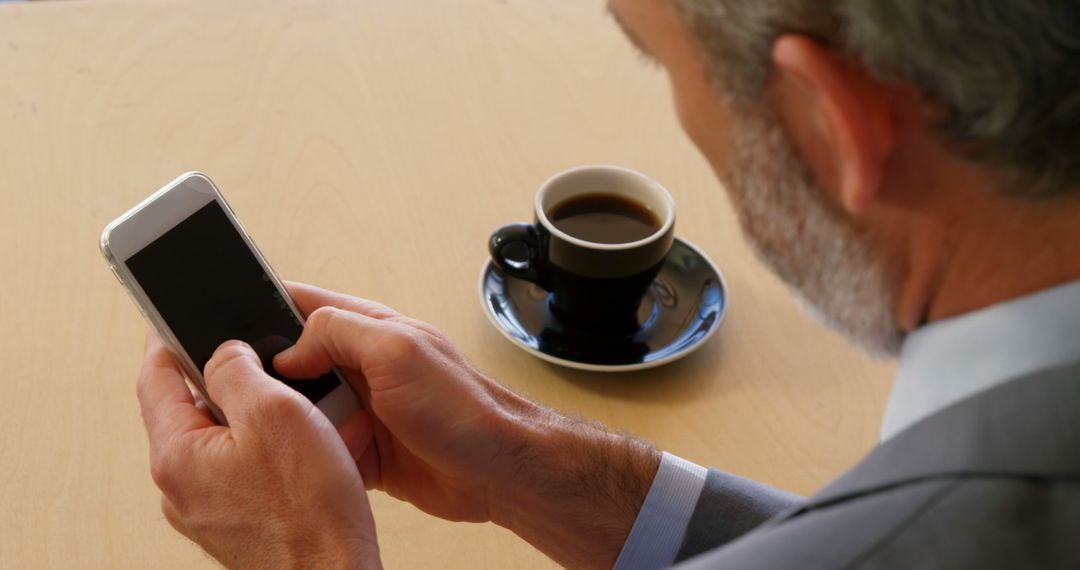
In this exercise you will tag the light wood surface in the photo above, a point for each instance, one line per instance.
(369, 147)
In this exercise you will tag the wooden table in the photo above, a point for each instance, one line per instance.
(369, 147)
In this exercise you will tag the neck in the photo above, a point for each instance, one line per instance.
(996, 248)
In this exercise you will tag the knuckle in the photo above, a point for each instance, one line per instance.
(231, 350)
(405, 342)
(376, 310)
(162, 472)
(141, 387)
(426, 328)
(226, 355)
(173, 516)
(169, 511)
(321, 319)
(278, 405)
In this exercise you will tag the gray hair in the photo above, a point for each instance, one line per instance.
(1006, 72)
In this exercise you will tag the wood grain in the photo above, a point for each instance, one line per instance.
(369, 147)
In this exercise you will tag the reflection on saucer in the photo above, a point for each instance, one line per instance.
(683, 308)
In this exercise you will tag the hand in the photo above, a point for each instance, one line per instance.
(278, 487)
(461, 446)
(436, 418)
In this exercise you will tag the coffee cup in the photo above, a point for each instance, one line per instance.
(598, 240)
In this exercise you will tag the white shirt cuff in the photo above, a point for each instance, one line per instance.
(660, 526)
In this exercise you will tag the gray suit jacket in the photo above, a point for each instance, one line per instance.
(990, 482)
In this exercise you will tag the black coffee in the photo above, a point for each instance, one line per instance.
(604, 218)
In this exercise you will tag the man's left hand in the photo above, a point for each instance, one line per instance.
(278, 487)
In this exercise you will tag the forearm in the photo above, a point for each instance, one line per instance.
(573, 489)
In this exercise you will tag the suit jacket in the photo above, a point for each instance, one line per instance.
(990, 482)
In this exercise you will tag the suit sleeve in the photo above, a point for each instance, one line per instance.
(658, 531)
(728, 507)
(690, 509)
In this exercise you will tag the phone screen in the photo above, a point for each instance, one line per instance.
(210, 288)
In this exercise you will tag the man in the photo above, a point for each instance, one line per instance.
(907, 166)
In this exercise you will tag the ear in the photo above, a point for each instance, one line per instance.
(840, 117)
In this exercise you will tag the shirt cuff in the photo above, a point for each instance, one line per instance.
(660, 526)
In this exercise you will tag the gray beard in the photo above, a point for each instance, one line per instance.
(830, 264)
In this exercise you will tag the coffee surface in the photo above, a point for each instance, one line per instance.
(604, 218)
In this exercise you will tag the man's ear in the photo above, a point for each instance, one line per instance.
(839, 116)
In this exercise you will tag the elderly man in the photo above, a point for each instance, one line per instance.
(907, 166)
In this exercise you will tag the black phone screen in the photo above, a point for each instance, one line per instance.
(210, 288)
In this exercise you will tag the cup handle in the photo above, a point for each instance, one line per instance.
(525, 234)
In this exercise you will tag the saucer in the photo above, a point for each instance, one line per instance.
(683, 308)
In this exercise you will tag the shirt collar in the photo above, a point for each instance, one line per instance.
(949, 360)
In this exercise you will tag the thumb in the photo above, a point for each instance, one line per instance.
(334, 337)
(235, 378)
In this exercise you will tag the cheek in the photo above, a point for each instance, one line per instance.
(686, 112)
(705, 121)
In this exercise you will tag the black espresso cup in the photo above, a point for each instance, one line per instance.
(599, 239)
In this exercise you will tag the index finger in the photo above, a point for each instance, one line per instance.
(339, 337)
(168, 410)
(308, 298)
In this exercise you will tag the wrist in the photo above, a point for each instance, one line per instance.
(350, 553)
(327, 540)
(570, 488)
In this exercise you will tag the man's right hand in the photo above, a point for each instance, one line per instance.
(437, 420)
(462, 447)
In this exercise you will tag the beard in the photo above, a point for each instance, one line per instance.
(830, 263)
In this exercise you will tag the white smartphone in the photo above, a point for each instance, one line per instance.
(199, 280)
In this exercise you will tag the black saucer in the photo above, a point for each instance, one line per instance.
(682, 310)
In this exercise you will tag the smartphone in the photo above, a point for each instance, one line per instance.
(199, 280)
